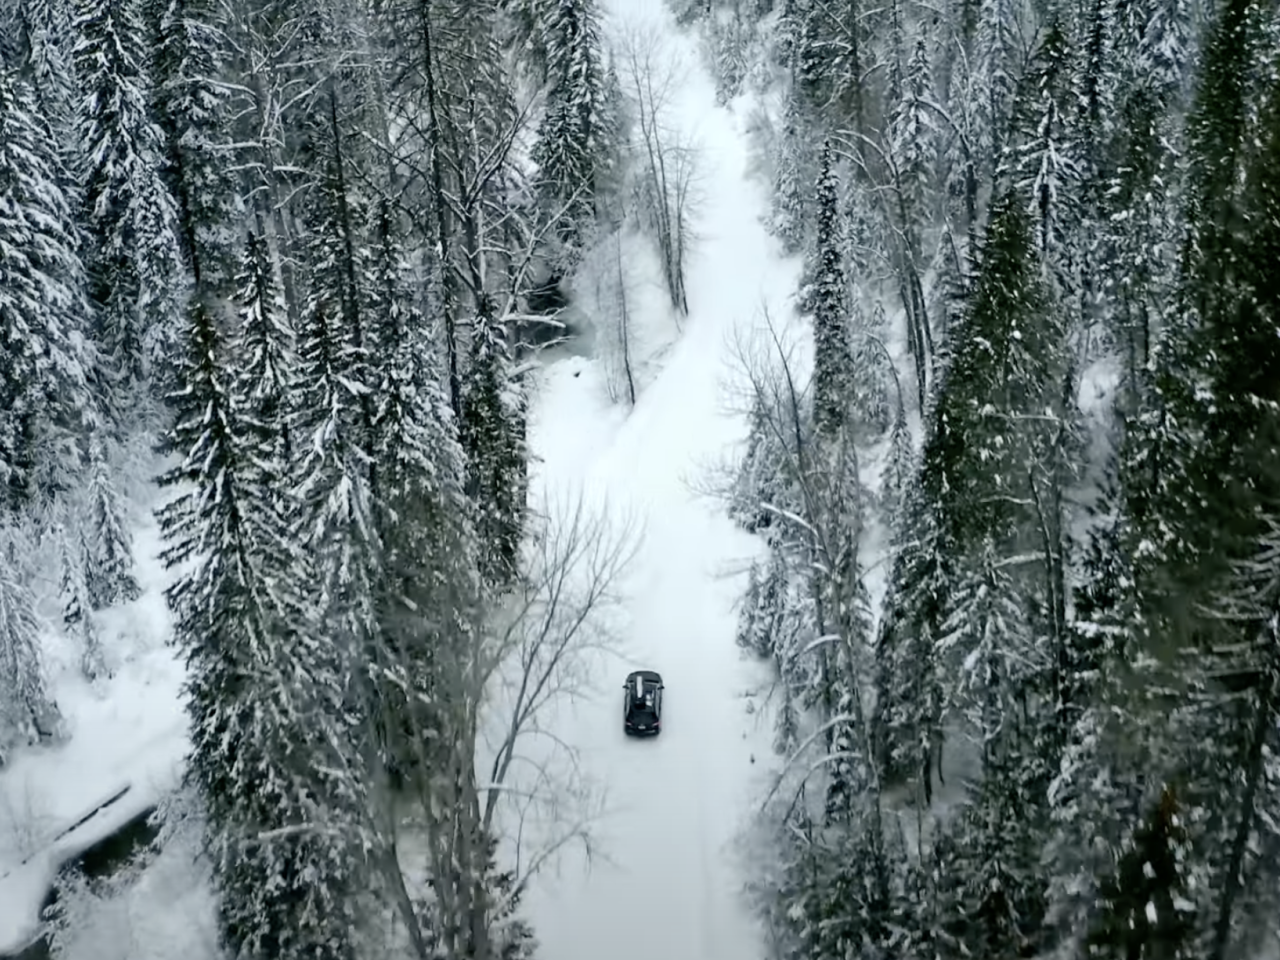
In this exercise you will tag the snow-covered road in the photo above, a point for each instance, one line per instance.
(669, 888)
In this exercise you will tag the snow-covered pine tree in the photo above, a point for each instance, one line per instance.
(271, 749)
(528, 32)
(492, 437)
(998, 904)
(1145, 910)
(913, 135)
(42, 29)
(995, 61)
(265, 351)
(335, 519)
(1042, 157)
(27, 712)
(429, 562)
(77, 609)
(1230, 654)
(788, 198)
(333, 411)
(993, 434)
(1109, 696)
(912, 146)
(988, 427)
(832, 55)
(908, 724)
(127, 210)
(572, 152)
(900, 466)
(1135, 251)
(828, 300)
(44, 394)
(110, 573)
(191, 99)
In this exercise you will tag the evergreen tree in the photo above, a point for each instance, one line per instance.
(110, 574)
(188, 68)
(271, 751)
(1145, 912)
(42, 29)
(44, 391)
(1110, 699)
(493, 440)
(128, 212)
(335, 519)
(908, 669)
(429, 549)
(787, 216)
(27, 713)
(1044, 157)
(333, 412)
(829, 302)
(77, 609)
(265, 351)
(913, 139)
(572, 152)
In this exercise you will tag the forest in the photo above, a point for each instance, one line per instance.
(293, 264)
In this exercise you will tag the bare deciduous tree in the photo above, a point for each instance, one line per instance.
(666, 158)
(494, 682)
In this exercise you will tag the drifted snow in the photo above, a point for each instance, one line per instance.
(127, 742)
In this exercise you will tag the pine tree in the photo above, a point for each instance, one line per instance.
(110, 574)
(572, 152)
(429, 549)
(44, 391)
(335, 519)
(493, 441)
(829, 299)
(1044, 156)
(43, 29)
(192, 109)
(265, 351)
(271, 752)
(1145, 913)
(787, 215)
(129, 215)
(995, 434)
(913, 137)
(77, 610)
(999, 906)
(1110, 695)
(26, 711)
(908, 668)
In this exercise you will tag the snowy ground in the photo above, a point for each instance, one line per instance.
(126, 738)
(669, 887)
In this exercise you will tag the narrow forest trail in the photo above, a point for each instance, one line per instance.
(669, 888)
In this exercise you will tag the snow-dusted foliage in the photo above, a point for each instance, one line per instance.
(127, 212)
(27, 713)
(573, 152)
(110, 578)
(45, 358)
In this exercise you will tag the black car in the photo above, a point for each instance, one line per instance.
(642, 704)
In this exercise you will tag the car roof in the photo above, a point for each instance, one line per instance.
(649, 677)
